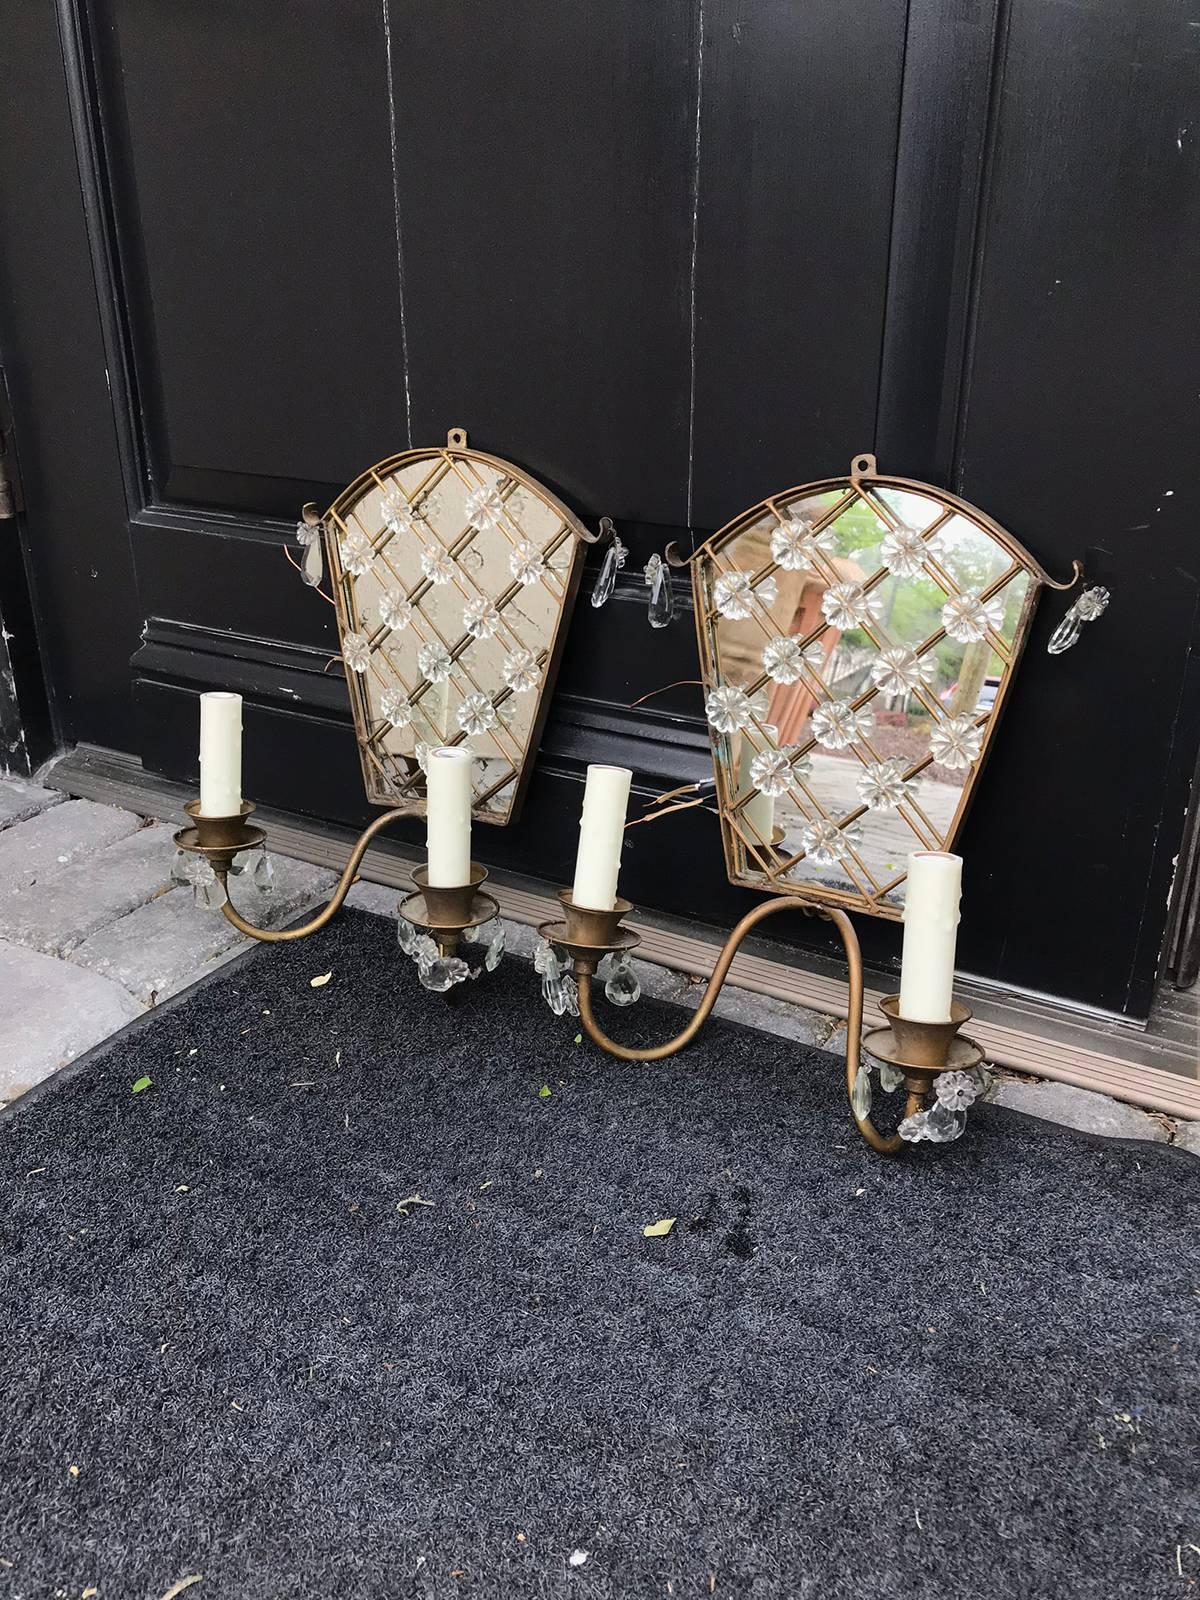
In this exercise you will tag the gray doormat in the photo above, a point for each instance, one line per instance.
(234, 1344)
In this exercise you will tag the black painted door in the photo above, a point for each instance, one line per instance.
(668, 257)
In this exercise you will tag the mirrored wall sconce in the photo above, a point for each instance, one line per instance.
(454, 575)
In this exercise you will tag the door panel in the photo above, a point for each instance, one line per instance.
(252, 195)
(662, 256)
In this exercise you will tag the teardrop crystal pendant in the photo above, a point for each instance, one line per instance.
(208, 890)
(890, 1077)
(1092, 603)
(860, 1095)
(662, 592)
(606, 582)
(313, 570)
(263, 875)
(406, 935)
(554, 994)
(179, 867)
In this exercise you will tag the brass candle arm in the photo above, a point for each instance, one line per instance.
(588, 935)
(220, 839)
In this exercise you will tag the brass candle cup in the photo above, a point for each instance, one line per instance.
(922, 1050)
(220, 839)
(446, 913)
(589, 935)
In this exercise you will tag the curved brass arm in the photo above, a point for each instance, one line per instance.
(345, 883)
(886, 1144)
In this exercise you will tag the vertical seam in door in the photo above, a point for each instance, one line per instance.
(889, 259)
(987, 165)
(691, 448)
(387, 46)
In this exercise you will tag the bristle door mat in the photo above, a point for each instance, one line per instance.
(354, 1299)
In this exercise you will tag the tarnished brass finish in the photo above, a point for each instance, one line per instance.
(587, 954)
(220, 856)
(922, 1044)
(588, 934)
(219, 838)
(922, 1050)
(446, 914)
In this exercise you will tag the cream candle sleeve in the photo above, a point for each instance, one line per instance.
(448, 816)
(601, 834)
(220, 754)
(931, 912)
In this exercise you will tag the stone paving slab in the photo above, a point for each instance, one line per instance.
(39, 848)
(1187, 1137)
(52, 1012)
(54, 917)
(164, 946)
(19, 800)
(1078, 1108)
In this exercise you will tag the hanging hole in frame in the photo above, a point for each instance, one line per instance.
(863, 467)
(457, 438)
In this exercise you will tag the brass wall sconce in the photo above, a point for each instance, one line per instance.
(915, 1054)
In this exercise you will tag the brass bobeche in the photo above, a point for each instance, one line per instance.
(921, 1050)
(446, 914)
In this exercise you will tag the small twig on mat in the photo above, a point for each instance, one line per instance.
(412, 1200)
(184, 1583)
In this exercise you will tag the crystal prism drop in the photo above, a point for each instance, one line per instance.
(913, 1128)
(860, 1095)
(263, 875)
(209, 893)
(545, 962)
(983, 1080)
(570, 991)
(942, 1125)
(1092, 603)
(239, 864)
(495, 949)
(662, 597)
(554, 994)
(406, 935)
(313, 569)
(622, 987)
(890, 1077)
(606, 582)
(179, 872)
(1065, 635)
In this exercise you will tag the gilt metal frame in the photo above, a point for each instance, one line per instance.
(404, 792)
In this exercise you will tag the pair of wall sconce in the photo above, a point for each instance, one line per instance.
(858, 638)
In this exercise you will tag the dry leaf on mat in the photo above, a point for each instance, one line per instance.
(659, 1229)
(319, 983)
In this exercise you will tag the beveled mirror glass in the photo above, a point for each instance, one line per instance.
(858, 639)
(454, 575)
